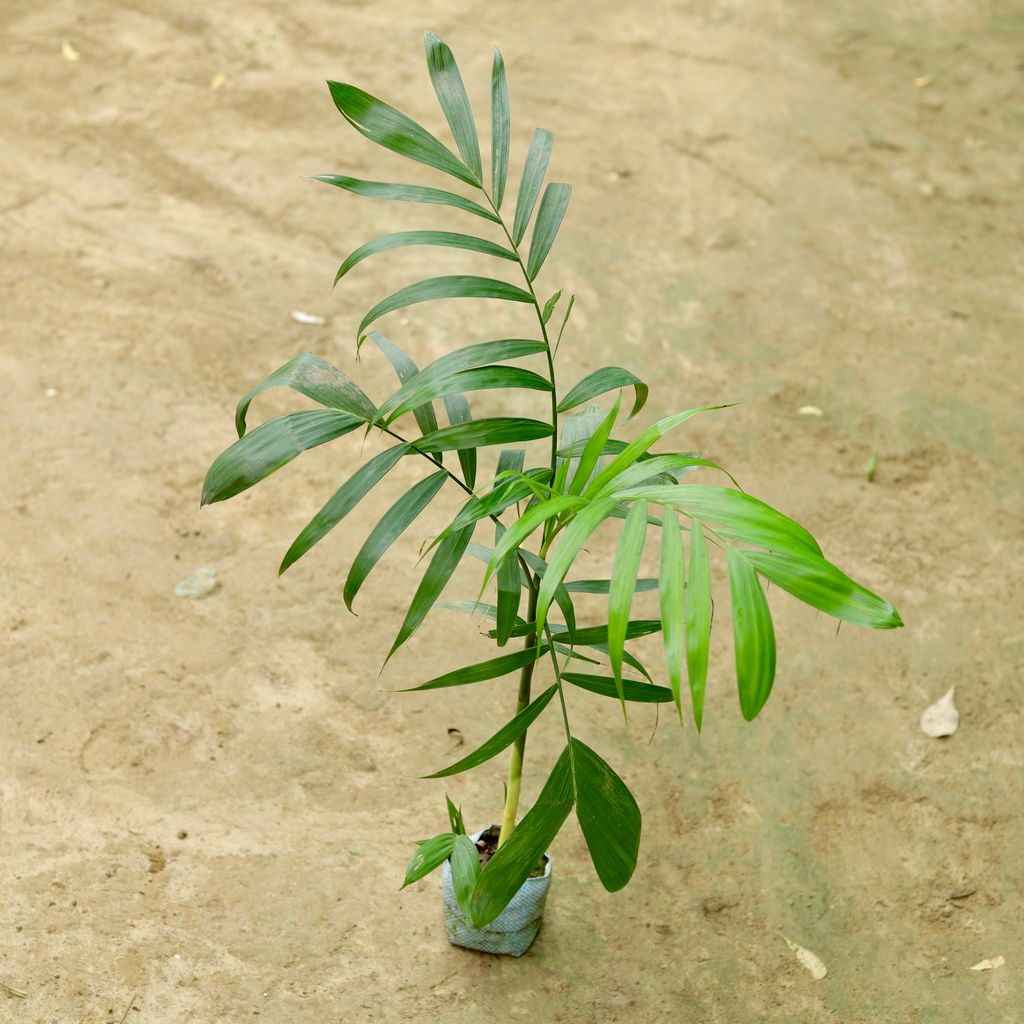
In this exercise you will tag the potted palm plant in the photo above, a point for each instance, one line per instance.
(558, 478)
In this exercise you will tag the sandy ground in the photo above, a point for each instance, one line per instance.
(207, 805)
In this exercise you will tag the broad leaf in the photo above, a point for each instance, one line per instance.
(451, 94)
(269, 447)
(430, 855)
(442, 565)
(699, 610)
(444, 239)
(533, 177)
(390, 128)
(315, 378)
(825, 587)
(465, 868)
(640, 693)
(608, 378)
(407, 194)
(608, 816)
(672, 575)
(454, 286)
(549, 220)
(405, 369)
(391, 526)
(753, 634)
(480, 433)
(504, 737)
(493, 668)
(342, 502)
(500, 129)
(620, 596)
(505, 872)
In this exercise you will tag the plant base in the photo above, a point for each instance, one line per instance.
(512, 932)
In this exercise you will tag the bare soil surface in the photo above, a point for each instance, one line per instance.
(778, 204)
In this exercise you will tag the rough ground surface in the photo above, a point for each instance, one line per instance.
(201, 799)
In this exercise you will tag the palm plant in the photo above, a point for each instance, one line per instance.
(542, 509)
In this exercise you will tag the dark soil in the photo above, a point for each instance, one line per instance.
(487, 844)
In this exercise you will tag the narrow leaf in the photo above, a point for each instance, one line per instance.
(565, 320)
(451, 94)
(342, 502)
(672, 575)
(407, 194)
(609, 818)
(493, 668)
(500, 129)
(269, 447)
(624, 570)
(458, 826)
(640, 693)
(602, 586)
(504, 737)
(509, 593)
(465, 867)
(549, 220)
(391, 526)
(590, 457)
(533, 176)
(405, 369)
(698, 620)
(549, 308)
(608, 378)
(753, 635)
(457, 409)
(495, 502)
(480, 433)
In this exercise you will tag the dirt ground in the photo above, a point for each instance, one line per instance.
(207, 805)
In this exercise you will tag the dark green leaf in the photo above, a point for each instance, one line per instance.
(457, 409)
(827, 588)
(454, 286)
(698, 620)
(494, 668)
(525, 525)
(505, 872)
(446, 239)
(608, 816)
(406, 369)
(451, 94)
(672, 602)
(608, 378)
(269, 447)
(391, 526)
(500, 129)
(549, 308)
(641, 693)
(477, 609)
(480, 433)
(602, 586)
(533, 177)
(345, 498)
(624, 570)
(465, 867)
(504, 737)
(562, 598)
(442, 565)
(509, 593)
(455, 817)
(565, 320)
(590, 456)
(753, 634)
(407, 194)
(549, 220)
(506, 493)
(390, 128)
(430, 855)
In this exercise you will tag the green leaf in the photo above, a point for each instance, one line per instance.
(656, 469)
(624, 570)
(269, 447)
(504, 737)
(505, 872)
(455, 817)
(457, 409)
(482, 378)
(315, 378)
(480, 433)
(509, 593)
(391, 129)
(736, 516)
(405, 369)
(549, 220)
(827, 588)
(608, 816)
(445, 239)
(407, 194)
(442, 565)
(431, 381)
(549, 307)
(591, 454)
(565, 320)
(640, 693)
(587, 519)
(595, 636)
(672, 575)
(753, 634)
(493, 668)
(608, 378)
(465, 866)
(699, 609)
(430, 855)
(344, 499)
(500, 129)
(451, 94)
(454, 286)
(533, 176)
(602, 586)
(391, 526)
(494, 502)
(635, 449)
(562, 598)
